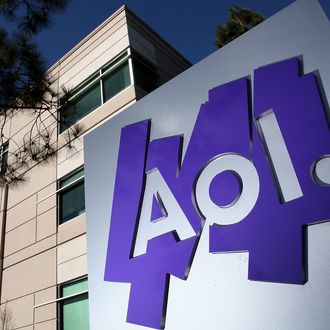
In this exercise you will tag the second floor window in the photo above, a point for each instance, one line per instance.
(107, 82)
(99, 88)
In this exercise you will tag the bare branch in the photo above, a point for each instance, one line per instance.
(5, 317)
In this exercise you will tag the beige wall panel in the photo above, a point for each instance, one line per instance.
(95, 41)
(47, 122)
(17, 140)
(49, 325)
(52, 131)
(21, 212)
(30, 251)
(95, 60)
(142, 45)
(46, 191)
(71, 249)
(24, 118)
(23, 134)
(49, 202)
(71, 229)
(46, 224)
(39, 273)
(37, 178)
(22, 311)
(73, 162)
(25, 328)
(72, 269)
(20, 237)
(20, 120)
(45, 244)
(66, 153)
(45, 313)
(45, 295)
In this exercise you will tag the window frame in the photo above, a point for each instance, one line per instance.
(68, 186)
(97, 77)
(60, 299)
(110, 73)
(128, 56)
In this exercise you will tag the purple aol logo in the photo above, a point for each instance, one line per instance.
(258, 178)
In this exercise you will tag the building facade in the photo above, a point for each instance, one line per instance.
(44, 280)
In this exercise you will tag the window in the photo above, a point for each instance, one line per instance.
(145, 74)
(111, 79)
(84, 103)
(3, 157)
(107, 82)
(71, 196)
(115, 81)
(73, 309)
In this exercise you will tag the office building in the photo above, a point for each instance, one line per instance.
(44, 280)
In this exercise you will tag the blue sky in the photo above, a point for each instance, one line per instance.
(189, 26)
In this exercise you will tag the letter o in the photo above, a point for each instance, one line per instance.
(245, 172)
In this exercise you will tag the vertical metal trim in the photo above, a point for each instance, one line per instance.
(101, 87)
(130, 66)
(3, 232)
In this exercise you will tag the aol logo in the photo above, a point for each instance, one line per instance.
(255, 177)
